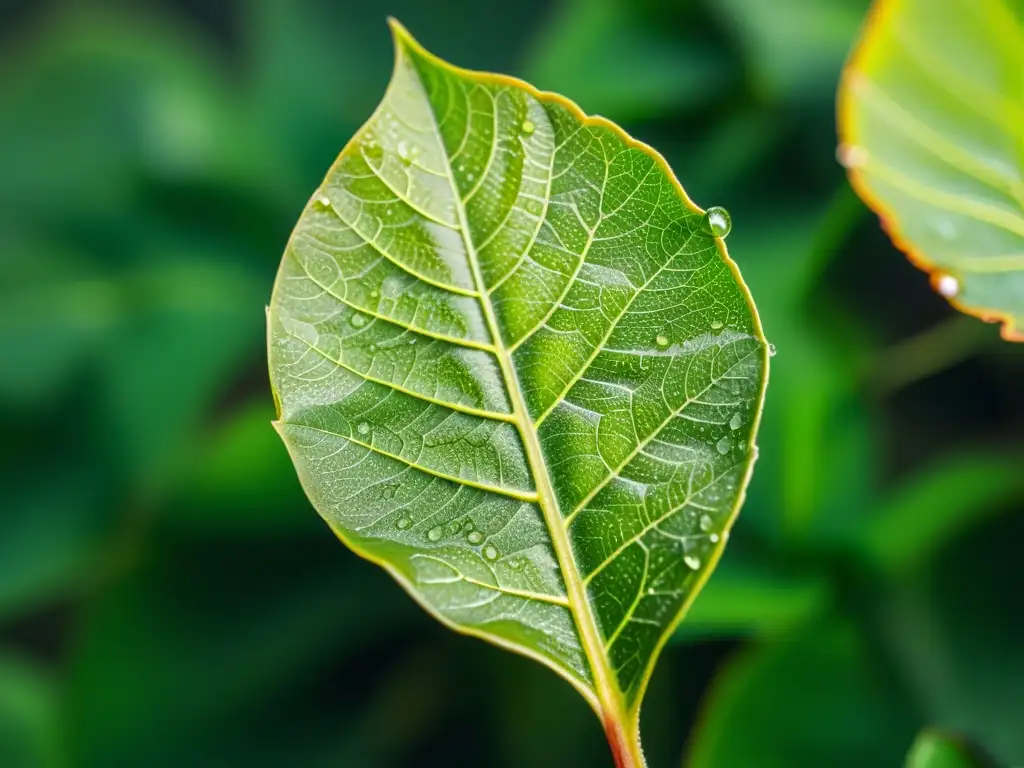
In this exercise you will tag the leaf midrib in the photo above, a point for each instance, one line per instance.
(609, 696)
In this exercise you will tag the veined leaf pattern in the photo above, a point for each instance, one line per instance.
(514, 369)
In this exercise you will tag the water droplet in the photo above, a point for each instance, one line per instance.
(723, 446)
(661, 341)
(736, 421)
(375, 294)
(772, 350)
(714, 538)
(528, 127)
(475, 537)
(403, 151)
(534, 207)
(372, 349)
(434, 533)
(717, 221)
(947, 286)
(716, 325)
(393, 287)
(358, 321)
(851, 156)
(692, 561)
(490, 552)
(706, 523)
(650, 590)
(363, 428)
(404, 523)
(470, 177)
(324, 201)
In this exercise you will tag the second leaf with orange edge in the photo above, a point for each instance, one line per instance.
(931, 128)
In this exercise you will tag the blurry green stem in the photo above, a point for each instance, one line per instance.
(926, 353)
(840, 218)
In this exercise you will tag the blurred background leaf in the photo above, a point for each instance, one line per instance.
(837, 711)
(29, 716)
(937, 750)
(167, 595)
(930, 119)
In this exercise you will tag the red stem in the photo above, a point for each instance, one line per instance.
(619, 746)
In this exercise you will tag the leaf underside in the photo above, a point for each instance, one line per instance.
(513, 369)
(931, 121)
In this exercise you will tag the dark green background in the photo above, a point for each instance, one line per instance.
(168, 597)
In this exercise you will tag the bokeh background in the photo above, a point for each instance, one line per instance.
(169, 598)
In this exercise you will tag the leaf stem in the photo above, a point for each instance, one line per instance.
(625, 745)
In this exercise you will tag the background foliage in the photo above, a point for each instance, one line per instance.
(168, 597)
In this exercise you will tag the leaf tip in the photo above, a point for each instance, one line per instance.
(400, 35)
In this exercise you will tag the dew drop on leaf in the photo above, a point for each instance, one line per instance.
(403, 151)
(490, 553)
(706, 523)
(324, 201)
(358, 321)
(772, 350)
(363, 428)
(404, 523)
(717, 221)
(662, 341)
(716, 325)
(692, 561)
(475, 537)
(851, 156)
(736, 421)
(723, 446)
(714, 538)
(434, 533)
(947, 286)
(528, 127)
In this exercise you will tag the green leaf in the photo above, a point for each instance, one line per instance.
(812, 698)
(937, 750)
(931, 509)
(514, 368)
(937, 148)
(30, 723)
(953, 633)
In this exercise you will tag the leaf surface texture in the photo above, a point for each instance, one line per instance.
(513, 368)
